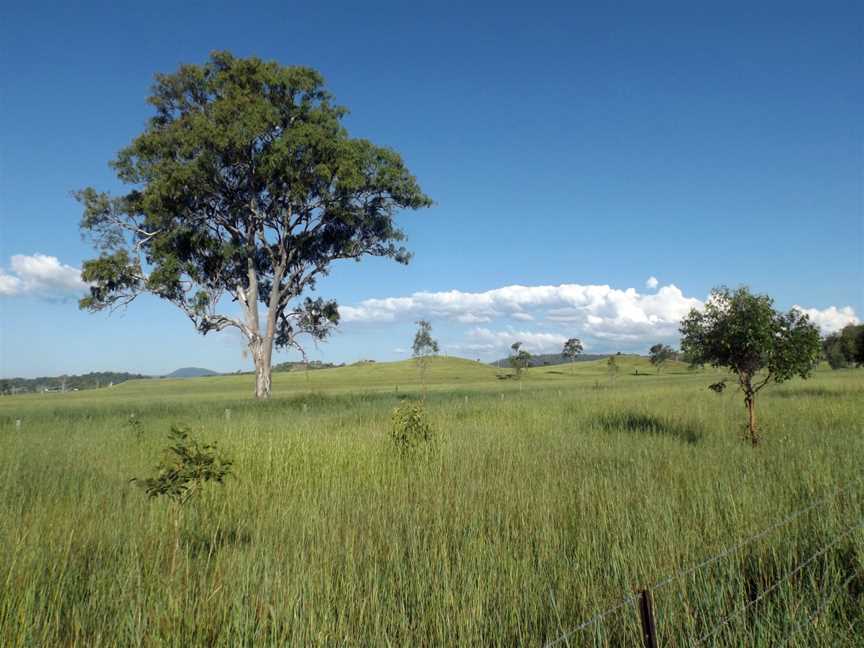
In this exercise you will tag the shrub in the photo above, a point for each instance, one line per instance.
(411, 427)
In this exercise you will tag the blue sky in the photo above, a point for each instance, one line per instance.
(574, 150)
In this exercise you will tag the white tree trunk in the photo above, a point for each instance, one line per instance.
(262, 351)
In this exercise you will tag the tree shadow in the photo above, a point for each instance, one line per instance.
(649, 424)
(200, 543)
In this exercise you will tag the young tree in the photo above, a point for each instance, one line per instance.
(572, 349)
(743, 333)
(659, 354)
(244, 186)
(519, 360)
(423, 348)
(612, 368)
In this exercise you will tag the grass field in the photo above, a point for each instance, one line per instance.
(540, 505)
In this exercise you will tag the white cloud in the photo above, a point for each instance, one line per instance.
(9, 285)
(598, 311)
(487, 341)
(533, 341)
(605, 318)
(831, 319)
(651, 283)
(41, 275)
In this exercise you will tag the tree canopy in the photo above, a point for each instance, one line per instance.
(659, 354)
(520, 359)
(845, 348)
(244, 187)
(422, 348)
(743, 332)
(572, 349)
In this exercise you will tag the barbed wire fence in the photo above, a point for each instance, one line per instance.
(642, 601)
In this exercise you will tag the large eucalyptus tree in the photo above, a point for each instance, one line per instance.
(244, 188)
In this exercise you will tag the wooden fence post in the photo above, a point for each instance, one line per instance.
(646, 617)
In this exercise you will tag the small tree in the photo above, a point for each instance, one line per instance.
(659, 354)
(423, 348)
(411, 429)
(572, 349)
(743, 333)
(612, 369)
(186, 467)
(519, 360)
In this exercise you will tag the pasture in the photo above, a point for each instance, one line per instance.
(538, 506)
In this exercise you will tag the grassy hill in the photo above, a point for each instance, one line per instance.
(444, 374)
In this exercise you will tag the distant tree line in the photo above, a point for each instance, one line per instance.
(302, 366)
(551, 359)
(65, 383)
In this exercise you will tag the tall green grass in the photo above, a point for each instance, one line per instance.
(538, 509)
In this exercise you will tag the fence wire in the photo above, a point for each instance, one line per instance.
(812, 618)
(757, 536)
(776, 584)
(631, 599)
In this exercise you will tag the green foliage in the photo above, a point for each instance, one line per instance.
(411, 428)
(69, 383)
(185, 467)
(719, 387)
(845, 348)
(245, 185)
(742, 332)
(659, 354)
(423, 348)
(520, 359)
(572, 349)
(312, 365)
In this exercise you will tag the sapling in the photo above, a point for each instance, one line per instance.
(612, 368)
(185, 467)
(411, 428)
(423, 349)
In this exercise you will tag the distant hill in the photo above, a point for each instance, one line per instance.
(545, 359)
(191, 372)
(65, 383)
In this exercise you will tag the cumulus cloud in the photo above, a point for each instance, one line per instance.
(651, 283)
(831, 319)
(484, 339)
(605, 318)
(42, 275)
(599, 311)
